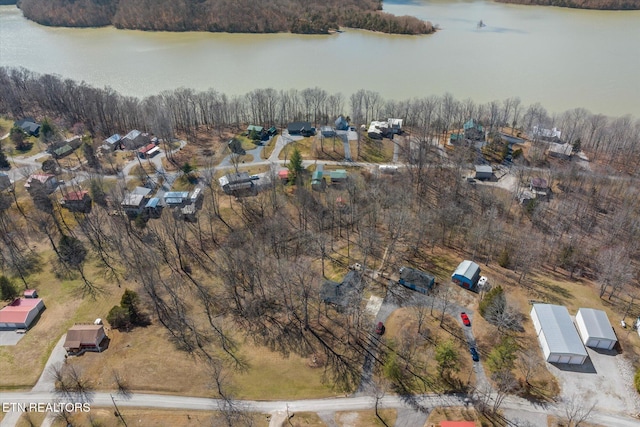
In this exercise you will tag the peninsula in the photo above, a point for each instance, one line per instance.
(238, 16)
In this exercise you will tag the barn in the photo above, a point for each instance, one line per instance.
(466, 275)
(20, 314)
(595, 329)
(557, 334)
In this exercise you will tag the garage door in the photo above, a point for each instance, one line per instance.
(604, 344)
(554, 358)
(576, 360)
(565, 359)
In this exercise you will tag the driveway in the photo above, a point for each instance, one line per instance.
(10, 337)
(604, 379)
(45, 382)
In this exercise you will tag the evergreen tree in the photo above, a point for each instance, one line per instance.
(295, 165)
(7, 290)
(4, 163)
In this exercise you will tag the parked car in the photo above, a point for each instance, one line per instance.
(380, 328)
(254, 177)
(474, 354)
(465, 319)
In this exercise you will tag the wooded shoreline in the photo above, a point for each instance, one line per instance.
(242, 16)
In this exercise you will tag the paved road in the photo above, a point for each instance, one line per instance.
(102, 399)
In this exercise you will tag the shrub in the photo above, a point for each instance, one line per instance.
(7, 290)
(636, 380)
(504, 260)
(490, 299)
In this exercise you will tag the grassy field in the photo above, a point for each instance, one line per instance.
(272, 376)
(268, 149)
(304, 145)
(305, 419)
(105, 417)
(373, 151)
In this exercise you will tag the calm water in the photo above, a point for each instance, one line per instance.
(562, 58)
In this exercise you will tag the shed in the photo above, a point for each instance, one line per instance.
(466, 275)
(254, 128)
(283, 174)
(416, 280)
(85, 338)
(30, 293)
(557, 334)
(484, 172)
(595, 329)
(20, 314)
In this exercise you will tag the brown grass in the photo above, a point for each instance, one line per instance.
(366, 418)
(455, 413)
(305, 419)
(29, 419)
(304, 145)
(155, 418)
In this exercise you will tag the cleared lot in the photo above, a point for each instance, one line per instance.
(605, 378)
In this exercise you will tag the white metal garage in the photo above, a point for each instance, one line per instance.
(595, 329)
(557, 334)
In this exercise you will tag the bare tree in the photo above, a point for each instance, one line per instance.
(576, 409)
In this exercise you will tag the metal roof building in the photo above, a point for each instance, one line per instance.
(484, 172)
(467, 274)
(595, 329)
(557, 334)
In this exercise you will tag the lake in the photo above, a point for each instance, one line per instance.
(562, 58)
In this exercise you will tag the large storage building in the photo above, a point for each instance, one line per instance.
(595, 329)
(557, 334)
(20, 314)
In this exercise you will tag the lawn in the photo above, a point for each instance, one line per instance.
(373, 151)
(304, 145)
(272, 376)
(154, 418)
(65, 305)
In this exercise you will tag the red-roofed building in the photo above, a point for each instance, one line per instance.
(20, 314)
(283, 174)
(149, 151)
(78, 201)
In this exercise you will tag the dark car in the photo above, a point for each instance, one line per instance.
(474, 354)
(465, 319)
(380, 328)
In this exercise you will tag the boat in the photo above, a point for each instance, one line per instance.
(481, 24)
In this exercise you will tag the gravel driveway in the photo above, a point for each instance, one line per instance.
(605, 378)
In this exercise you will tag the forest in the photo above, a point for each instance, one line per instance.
(237, 16)
(253, 265)
(582, 4)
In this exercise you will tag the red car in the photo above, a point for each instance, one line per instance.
(465, 319)
(380, 328)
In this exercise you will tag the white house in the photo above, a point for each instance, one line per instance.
(557, 334)
(595, 329)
